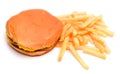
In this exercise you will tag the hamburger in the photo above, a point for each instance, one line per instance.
(33, 32)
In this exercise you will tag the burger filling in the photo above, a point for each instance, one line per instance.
(24, 48)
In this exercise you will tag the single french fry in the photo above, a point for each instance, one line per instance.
(67, 33)
(90, 30)
(98, 32)
(101, 24)
(91, 48)
(97, 38)
(82, 32)
(94, 21)
(79, 24)
(74, 32)
(66, 27)
(108, 32)
(99, 46)
(88, 22)
(80, 38)
(76, 55)
(75, 13)
(76, 42)
(89, 39)
(63, 48)
(94, 53)
(107, 50)
(81, 17)
(85, 41)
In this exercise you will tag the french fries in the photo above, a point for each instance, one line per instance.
(81, 29)
(94, 53)
(63, 48)
(76, 55)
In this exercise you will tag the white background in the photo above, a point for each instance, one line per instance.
(11, 62)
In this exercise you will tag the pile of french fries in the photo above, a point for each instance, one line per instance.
(80, 30)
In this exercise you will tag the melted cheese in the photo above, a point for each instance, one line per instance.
(10, 41)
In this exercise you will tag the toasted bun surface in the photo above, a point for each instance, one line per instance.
(34, 30)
